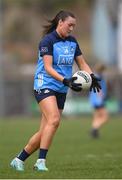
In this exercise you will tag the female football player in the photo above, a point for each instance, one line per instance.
(98, 102)
(53, 76)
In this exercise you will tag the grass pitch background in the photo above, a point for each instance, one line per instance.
(73, 154)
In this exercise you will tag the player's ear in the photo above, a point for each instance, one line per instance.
(60, 22)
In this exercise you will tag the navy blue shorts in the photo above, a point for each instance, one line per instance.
(99, 106)
(44, 93)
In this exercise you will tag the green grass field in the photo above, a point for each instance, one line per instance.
(73, 154)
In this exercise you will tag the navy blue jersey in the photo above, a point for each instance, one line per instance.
(98, 98)
(63, 52)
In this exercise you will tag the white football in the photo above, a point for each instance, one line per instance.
(84, 78)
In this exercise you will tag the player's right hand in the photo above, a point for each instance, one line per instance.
(70, 83)
(95, 86)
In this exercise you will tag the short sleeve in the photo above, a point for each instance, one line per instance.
(46, 47)
(78, 51)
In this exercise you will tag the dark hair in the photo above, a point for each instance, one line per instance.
(54, 22)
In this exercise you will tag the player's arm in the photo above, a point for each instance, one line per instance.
(48, 60)
(46, 51)
(82, 65)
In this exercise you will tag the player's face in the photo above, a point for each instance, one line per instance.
(66, 27)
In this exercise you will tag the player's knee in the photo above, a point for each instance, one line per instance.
(54, 120)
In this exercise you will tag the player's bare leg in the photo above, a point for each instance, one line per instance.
(100, 117)
(52, 114)
(33, 144)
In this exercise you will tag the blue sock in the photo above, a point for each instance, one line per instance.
(43, 153)
(23, 155)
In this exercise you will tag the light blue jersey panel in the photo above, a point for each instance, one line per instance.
(97, 99)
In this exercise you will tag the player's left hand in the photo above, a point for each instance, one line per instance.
(95, 86)
(70, 83)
